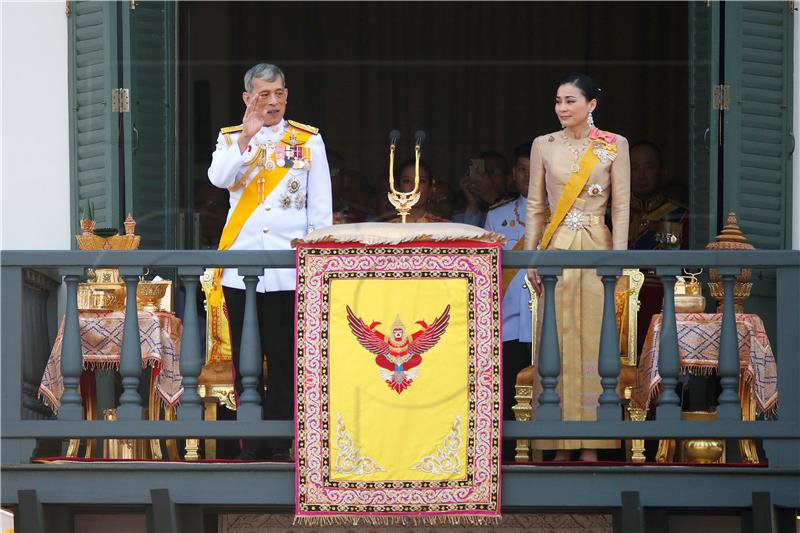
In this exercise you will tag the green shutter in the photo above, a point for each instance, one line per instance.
(759, 69)
(94, 130)
(703, 122)
(149, 72)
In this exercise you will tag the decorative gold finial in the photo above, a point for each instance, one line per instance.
(130, 225)
(730, 238)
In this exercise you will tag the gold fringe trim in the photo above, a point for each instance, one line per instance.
(149, 362)
(396, 520)
(107, 366)
(698, 370)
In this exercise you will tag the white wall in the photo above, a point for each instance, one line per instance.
(34, 127)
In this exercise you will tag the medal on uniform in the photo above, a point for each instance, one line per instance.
(280, 156)
(269, 163)
(605, 151)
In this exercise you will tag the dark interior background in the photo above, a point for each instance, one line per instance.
(476, 76)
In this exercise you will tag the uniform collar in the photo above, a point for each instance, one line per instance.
(647, 203)
(276, 129)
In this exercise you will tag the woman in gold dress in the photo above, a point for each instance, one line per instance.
(575, 172)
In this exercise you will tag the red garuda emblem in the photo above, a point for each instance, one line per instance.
(398, 354)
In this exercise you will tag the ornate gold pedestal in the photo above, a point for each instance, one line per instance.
(704, 451)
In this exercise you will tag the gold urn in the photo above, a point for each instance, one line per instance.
(689, 294)
(730, 238)
(149, 294)
(703, 451)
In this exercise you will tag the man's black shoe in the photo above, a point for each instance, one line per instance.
(280, 457)
(249, 454)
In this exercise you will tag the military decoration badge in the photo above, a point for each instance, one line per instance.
(294, 157)
(603, 145)
(294, 196)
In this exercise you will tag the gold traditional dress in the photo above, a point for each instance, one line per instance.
(576, 178)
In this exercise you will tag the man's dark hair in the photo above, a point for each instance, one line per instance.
(522, 150)
(649, 144)
(491, 154)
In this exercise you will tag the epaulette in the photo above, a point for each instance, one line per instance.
(232, 129)
(501, 202)
(305, 127)
(226, 133)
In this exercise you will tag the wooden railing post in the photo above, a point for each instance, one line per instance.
(191, 362)
(608, 362)
(549, 353)
(668, 357)
(250, 350)
(729, 406)
(130, 365)
(71, 351)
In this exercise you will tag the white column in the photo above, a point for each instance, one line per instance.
(34, 177)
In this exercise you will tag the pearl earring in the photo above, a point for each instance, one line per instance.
(591, 120)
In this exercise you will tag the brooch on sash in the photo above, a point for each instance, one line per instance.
(574, 220)
(603, 145)
(595, 189)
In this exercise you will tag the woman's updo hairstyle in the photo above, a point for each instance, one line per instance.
(584, 83)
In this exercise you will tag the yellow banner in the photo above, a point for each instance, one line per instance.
(401, 416)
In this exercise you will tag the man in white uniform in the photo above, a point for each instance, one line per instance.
(276, 172)
(508, 218)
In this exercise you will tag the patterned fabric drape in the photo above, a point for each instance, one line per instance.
(101, 346)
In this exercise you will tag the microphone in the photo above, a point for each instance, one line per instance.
(419, 136)
(394, 136)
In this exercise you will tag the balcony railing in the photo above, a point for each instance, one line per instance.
(271, 485)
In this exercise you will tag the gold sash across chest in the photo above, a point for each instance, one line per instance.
(575, 184)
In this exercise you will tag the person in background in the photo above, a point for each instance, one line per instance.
(405, 183)
(658, 221)
(483, 187)
(508, 218)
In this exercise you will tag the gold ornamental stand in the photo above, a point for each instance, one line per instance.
(404, 201)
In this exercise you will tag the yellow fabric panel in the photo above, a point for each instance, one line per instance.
(397, 430)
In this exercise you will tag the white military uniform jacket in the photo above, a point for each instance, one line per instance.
(285, 214)
(509, 219)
